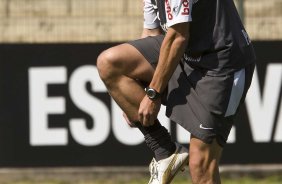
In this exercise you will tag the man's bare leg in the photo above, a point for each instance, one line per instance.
(204, 161)
(121, 68)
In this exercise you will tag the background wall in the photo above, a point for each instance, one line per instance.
(55, 111)
(69, 20)
(109, 20)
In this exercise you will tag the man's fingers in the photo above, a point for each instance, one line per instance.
(146, 120)
(140, 117)
(148, 112)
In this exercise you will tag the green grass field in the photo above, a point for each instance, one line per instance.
(122, 175)
(276, 179)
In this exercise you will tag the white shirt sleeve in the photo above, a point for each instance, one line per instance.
(178, 11)
(151, 20)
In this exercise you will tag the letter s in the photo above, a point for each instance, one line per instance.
(93, 106)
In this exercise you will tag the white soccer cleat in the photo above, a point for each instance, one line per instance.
(163, 171)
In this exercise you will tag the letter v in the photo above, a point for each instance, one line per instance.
(262, 109)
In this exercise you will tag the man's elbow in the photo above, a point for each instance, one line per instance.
(181, 33)
(182, 40)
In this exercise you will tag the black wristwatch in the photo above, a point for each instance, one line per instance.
(152, 94)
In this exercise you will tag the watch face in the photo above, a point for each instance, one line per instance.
(151, 93)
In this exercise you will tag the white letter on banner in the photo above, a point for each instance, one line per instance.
(262, 109)
(278, 131)
(93, 106)
(182, 135)
(40, 105)
(122, 131)
(232, 136)
(165, 121)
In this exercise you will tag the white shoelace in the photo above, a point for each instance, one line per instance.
(154, 170)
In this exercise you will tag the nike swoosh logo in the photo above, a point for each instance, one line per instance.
(205, 128)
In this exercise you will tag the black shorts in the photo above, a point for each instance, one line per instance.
(204, 105)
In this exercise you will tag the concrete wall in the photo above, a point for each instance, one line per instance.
(106, 20)
(69, 20)
(263, 19)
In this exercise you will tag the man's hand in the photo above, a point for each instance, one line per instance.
(148, 111)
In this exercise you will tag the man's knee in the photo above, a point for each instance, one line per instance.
(203, 161)
(108, 64)
(197, 162)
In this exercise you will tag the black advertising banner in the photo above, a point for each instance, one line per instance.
(55, 111)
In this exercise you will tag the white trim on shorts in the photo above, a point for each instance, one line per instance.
(236, 93)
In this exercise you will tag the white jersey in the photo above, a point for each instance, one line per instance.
(176, 11)
(218, 40)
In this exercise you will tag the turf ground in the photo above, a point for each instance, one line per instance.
(243, 180)
(274, 179)
(263, 174)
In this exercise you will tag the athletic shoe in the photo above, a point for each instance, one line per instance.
(163, 171)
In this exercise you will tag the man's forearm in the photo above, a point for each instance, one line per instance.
(172, 50)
